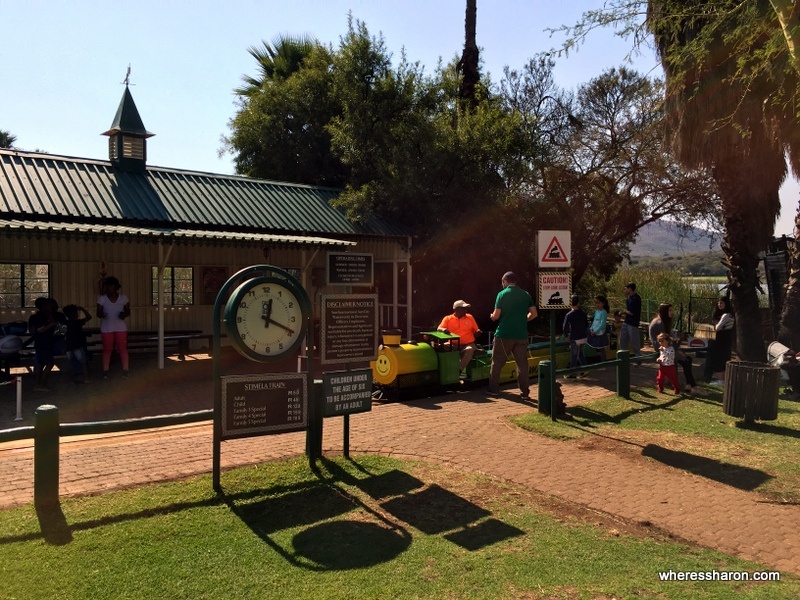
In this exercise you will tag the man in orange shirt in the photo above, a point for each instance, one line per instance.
(462, 324)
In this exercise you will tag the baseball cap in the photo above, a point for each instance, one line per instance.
(460, 304)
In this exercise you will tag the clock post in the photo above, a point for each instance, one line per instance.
(266, 314)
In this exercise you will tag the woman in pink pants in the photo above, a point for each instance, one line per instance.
(112, 310)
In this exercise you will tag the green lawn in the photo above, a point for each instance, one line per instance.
(369, 528)
(764, 457)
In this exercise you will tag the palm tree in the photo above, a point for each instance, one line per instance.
(277, 61)
(788, 13)
(468, 66)
(719, 123)
(7, 139)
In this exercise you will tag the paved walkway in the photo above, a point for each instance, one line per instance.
(464, 430)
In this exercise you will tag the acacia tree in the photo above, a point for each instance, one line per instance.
(605, 171)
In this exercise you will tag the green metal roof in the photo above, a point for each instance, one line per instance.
(75, 230)
(50, 188)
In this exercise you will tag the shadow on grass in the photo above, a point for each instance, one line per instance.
(337, 528)
(433, 509)
(736, 476)
(771, 429)
(55, 529)
(589, 417)
(334, 539)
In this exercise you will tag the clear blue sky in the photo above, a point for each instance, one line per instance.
(62, 63)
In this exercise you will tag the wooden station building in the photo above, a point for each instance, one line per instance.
(63, 219)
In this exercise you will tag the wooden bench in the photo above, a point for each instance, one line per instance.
(175, 342)
(182, 340)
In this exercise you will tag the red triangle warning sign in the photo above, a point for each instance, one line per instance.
(554, 253)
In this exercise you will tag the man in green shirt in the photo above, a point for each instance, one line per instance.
(513, 308)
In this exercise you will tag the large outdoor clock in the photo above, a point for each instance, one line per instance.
(265, 317)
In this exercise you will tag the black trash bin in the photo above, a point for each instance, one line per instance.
(751, 391)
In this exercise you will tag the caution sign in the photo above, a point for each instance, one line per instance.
(555, 290)
(555, 249)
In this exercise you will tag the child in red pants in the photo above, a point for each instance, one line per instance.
(666, 361)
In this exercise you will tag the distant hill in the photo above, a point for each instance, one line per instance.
(663, 238)
(662, 245)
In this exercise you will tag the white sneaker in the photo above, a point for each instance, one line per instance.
(718, 383)
(696, 391)
(688, 389)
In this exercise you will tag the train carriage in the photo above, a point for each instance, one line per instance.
(431, 364)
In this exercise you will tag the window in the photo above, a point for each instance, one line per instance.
(178, 286)
(21, 284)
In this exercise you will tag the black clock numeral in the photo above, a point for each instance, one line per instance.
(244, 336)
(267, 349)
(280, 346)
(243, 304)
(239, 319)
(291, 304)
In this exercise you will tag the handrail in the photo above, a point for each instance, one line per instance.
(114, 426)
(606, 363)
(16, 434)
(154, 422)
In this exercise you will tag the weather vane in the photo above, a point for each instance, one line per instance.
(127, 81)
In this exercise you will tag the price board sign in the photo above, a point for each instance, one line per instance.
(264, 404)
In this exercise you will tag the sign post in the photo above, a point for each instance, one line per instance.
(348, 333)
(554, 250)
(346, 393)
(267, 315)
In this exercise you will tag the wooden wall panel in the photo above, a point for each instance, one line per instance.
(75, 268)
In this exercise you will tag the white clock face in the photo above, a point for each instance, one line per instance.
(268, 319)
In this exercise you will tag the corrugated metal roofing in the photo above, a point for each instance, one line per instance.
(43, 186)
(48, 228)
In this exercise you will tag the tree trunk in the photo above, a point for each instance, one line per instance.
(749, 221)
(788, 14)
(468, 65)
(789, 333)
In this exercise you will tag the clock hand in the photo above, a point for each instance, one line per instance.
(267, 312)
(291, 331)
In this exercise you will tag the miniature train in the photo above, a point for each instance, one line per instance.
(431, 364)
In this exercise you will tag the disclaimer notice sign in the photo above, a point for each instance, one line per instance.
(349, 328)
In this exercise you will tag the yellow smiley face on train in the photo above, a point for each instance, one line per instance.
(383, 365)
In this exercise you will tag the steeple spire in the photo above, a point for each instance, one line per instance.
(127, 148)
